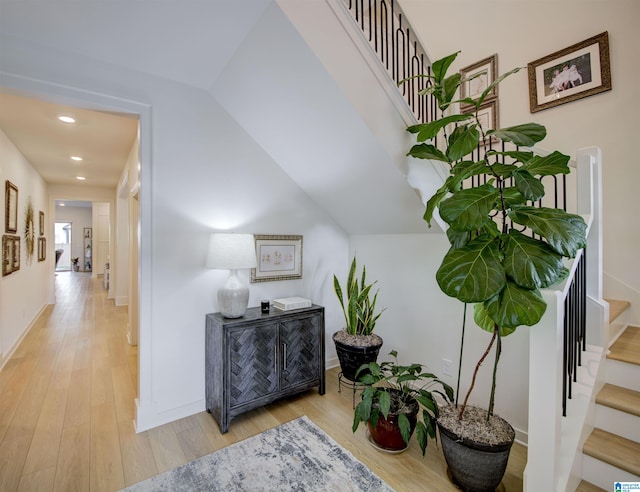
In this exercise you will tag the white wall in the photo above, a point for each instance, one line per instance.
(23, 294)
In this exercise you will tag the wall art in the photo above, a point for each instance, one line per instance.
(279, 258)
(11, 208)
(581, 70)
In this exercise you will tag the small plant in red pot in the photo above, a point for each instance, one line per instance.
(393, 397)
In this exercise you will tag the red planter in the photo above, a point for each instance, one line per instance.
(386, 434)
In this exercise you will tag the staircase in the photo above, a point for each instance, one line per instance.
(611, 452)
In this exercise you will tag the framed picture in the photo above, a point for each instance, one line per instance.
(11, 208)
(279, 258)
(10, 254)
(575, 72)
(41, 214)
(489, 118)
(88, 232)
(477, 77)
(42, 249)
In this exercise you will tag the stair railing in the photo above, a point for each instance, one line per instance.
(394, 41)
(575, 314)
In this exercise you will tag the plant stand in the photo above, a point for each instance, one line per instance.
(352, 385)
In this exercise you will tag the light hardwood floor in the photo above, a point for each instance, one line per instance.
(66, 411)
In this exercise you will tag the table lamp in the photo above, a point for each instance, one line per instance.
(232, 252)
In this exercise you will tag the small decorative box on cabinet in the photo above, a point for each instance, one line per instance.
(259, 358)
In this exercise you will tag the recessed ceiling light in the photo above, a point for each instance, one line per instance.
(62, 204)
(66, 119)
(80, 178)
(76, 158)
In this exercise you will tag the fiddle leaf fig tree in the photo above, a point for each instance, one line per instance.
(491, 263)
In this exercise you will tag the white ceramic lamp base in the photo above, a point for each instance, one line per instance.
(233, 297)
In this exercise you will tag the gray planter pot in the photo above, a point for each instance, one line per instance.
(474, 466)
(352, 357)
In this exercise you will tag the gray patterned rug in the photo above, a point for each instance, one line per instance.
(296, 456)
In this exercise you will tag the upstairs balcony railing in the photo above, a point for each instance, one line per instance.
(394, 41)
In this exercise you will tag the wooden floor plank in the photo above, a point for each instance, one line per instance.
(74, 463)
(138, 462)
(106, 460)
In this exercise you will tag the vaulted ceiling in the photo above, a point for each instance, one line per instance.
(203, 44)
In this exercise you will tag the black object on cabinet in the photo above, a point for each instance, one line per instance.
(256, 359)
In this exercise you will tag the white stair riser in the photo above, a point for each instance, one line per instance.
(623, 374)
(618, 422)
(604, 475)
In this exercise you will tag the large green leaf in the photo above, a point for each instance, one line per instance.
(467, 209)
(462, 141)
(513, 197)
(458, 239)
(530, 186)
(466, 169)
(439, 67)
(427, 151)
(564, 232)
(526, 135)
(384, 399)
(472, 273)
(516, 306)
(421, 436)
(549, 165)
(428, 131)
(503, 170)
(433, 203)
(485, 321)
(405, 427)
(531, 263)
(495, 83)
(449, 88)
(517, 155)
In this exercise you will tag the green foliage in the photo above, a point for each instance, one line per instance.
(486, 265)
(391, 388)
(360, 307)
(490, 263)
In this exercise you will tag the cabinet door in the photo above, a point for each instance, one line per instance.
(300, 346)
(252, 363)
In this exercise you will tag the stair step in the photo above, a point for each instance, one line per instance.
(623, 399)
(627, 346)
(616, 308)
(614, 450)
(588, 487)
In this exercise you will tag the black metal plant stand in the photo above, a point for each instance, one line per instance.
(352, 385)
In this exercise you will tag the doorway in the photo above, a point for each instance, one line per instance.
(63, 246)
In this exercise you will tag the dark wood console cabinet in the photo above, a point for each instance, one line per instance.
(256, 359)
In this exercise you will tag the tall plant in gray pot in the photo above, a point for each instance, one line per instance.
(356, 344)
(503, 250)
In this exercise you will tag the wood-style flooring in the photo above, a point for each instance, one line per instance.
(67, 409)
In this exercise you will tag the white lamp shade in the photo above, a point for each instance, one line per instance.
(231, 251)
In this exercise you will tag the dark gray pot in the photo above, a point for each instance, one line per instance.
(352, 357)
(474, 466)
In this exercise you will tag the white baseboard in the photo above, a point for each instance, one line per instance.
(4, 357)
(122, 300)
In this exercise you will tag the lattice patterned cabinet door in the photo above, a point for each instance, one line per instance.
(253, 372)
(299, 339)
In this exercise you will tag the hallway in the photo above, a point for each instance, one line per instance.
(68, 394)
